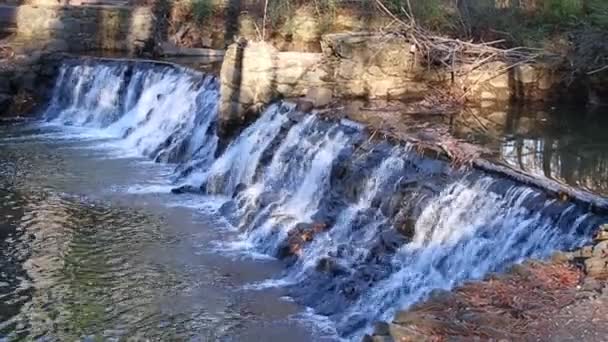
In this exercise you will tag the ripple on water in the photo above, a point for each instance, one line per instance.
(73, 269)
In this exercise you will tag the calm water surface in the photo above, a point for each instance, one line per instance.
(568, 144)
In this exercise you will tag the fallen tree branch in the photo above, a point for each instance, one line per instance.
(605, 67)
(458, 56)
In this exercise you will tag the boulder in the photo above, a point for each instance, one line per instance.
(297, 237)
(597, 267)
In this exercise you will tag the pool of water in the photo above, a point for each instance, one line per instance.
(86, 251)
(568, 144)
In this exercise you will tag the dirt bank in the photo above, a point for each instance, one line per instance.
(565, 299)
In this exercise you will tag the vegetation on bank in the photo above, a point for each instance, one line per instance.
(574, 28)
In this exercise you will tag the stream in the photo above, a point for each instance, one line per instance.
(123, 215)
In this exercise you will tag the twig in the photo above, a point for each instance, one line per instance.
(598, 70)
(264, 22)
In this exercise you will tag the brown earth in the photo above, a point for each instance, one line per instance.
(559, 300)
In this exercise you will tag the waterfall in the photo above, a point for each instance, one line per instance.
(158, 111)
(365, 227)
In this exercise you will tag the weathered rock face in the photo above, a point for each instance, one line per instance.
(299, 31)
(255, 73)
(387, 66)
(86, 28)
(370, 66)
(497, 82)
(367, 66)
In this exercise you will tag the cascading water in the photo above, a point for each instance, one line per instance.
(159, 111)
(365, 228)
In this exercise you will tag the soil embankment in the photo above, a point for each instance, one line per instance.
(565, 299)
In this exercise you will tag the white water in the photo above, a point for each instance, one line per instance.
(465, 233)
(280, 173)
(158, 112)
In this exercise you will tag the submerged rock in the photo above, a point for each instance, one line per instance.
(300, 235)
(187, 189)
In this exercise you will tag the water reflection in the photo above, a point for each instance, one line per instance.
(566, 144)
(78, 269)
(110, 266)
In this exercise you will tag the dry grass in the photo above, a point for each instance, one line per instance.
(501, 307)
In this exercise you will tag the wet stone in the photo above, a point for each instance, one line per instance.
(331, 266)
(382, 329)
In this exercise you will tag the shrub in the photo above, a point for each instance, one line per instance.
(197, 10)
(433, 14)
(562, 11)
(598, 13)
(201, 9)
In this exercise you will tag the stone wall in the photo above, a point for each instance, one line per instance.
(84, 28)
(369, 66)
(300, 31)
(387, 66)
(365, 66)
(254, 74)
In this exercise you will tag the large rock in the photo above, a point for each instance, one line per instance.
(248, 77)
